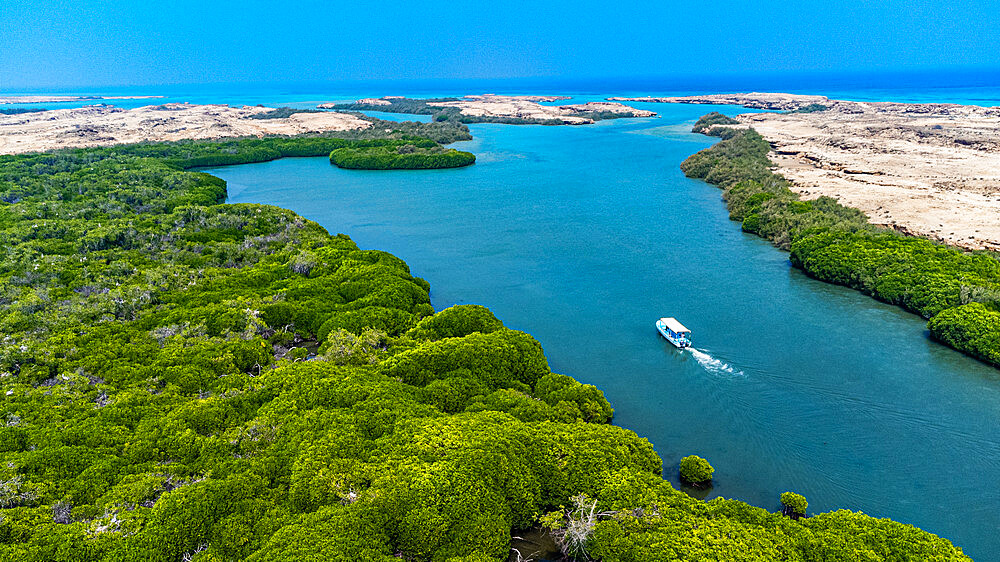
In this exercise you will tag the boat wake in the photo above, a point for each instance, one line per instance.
(713, 365)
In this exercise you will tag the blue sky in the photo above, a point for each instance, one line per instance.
(80, 43)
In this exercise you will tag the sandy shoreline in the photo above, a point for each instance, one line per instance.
(101, 125)
(524, 107)
(926, 169)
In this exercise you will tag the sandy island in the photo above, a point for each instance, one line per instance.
(67, 99)
(100, 125)
(525, 107)
(927, 169)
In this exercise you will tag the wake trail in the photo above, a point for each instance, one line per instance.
(713, 365)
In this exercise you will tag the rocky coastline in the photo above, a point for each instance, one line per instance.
(526, 108)
(101, 125)
(925, 169)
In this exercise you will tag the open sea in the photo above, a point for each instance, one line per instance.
(584, 236)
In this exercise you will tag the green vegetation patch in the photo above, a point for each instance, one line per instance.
(638, 518)
(709, 120)
(794, 504)
(837, 244)
(20, 110)
(696, 470)
(400, 105)
(283, 113)
(973, 328)
(188, 380)
(811, 108)
(400, 156)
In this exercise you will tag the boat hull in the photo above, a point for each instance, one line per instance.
(677, 342)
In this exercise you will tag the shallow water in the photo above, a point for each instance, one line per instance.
(385, 116)
(584, 236)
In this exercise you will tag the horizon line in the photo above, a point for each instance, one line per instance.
(977, 75)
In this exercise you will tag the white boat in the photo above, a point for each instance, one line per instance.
(674, 331)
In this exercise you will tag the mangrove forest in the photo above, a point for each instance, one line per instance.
(188, 380)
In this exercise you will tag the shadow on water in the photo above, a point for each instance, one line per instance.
(696, 492)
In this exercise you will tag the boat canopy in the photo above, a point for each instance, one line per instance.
(674, 326)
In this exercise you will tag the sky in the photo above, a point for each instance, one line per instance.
(93, 43)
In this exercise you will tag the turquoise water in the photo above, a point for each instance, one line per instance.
(583, 236)
(398, 116)
(965, 87)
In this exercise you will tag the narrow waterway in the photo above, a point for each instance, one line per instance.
(584, 236)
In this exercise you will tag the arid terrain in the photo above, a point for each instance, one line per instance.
(99, 125)
(525, 107)
(530, 107)
(926, 169)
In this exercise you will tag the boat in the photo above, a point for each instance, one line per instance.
(674, 331)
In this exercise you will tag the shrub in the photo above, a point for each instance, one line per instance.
(501, 359)
(811, 108)
(574, 400)
(793, 505)
(456, 321)
(973, 328)
(709, 120)
(696, 470)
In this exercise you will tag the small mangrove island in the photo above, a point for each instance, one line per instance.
(411, 154)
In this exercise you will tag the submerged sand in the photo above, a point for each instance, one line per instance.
(927, 169)
(100, 125)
